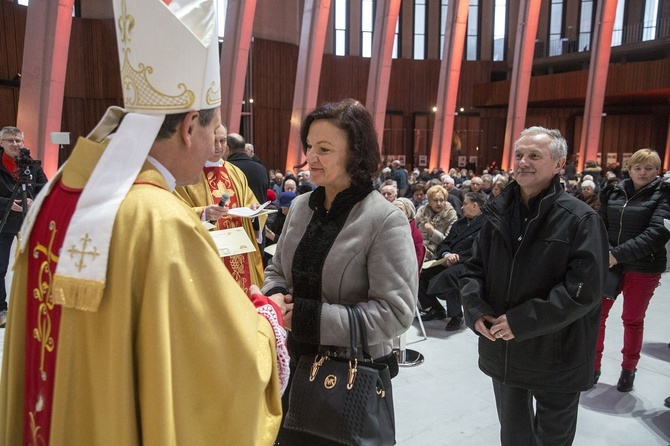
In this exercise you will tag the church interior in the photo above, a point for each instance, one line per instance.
(450, 84)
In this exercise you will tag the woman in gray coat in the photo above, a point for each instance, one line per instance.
(342, 244)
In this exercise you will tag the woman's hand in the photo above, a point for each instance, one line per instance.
(613, 261)
(269, 234)
(429, 229)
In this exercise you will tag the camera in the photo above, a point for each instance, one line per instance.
(23, 160)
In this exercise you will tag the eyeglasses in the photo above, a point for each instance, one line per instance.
(13, 141)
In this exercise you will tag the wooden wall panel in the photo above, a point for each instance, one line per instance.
(13, 23)
(9, 97)
(274, 67)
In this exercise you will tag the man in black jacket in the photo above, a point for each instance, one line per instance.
(11, 141)
(441, 281)
(532, 291)
(256, 173)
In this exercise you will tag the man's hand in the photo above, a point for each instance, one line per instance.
(269, 234)
(16, 206)
(451, 259)
(501, 329)
(214, 212)
(482, 328)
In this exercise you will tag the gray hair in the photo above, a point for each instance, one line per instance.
(558, 147)
(410, 211)
(10, 130)
(589, 183)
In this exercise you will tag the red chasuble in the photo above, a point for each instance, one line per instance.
(43, 317)
(219, 183)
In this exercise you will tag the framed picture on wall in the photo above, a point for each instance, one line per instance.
(625, 157)
(401, 158)
(462, 161)
(423, 160)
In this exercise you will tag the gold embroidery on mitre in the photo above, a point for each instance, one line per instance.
(136, 80)
(213, 95)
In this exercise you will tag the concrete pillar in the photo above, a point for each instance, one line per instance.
(447, 90)
(526, 32)
(310, 56)
(595, 90)
(45, 53)
(380, 64)
(234, 60)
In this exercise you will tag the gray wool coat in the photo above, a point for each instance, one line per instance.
(369, 264)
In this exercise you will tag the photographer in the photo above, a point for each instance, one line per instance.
(15, 161)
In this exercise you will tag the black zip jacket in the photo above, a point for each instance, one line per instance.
(7, 182)
(634, 222)
(550, 289)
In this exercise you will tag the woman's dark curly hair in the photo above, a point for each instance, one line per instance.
(350, 116)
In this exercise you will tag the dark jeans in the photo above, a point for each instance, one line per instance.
(448, 289)
(554, 423)
(6, 241)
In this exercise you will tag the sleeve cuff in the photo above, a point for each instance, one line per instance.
(259, 300)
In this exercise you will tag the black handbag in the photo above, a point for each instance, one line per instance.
(344, 400)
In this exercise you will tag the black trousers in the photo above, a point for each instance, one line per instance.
(440, 282)
(553, 422)
(6, 241)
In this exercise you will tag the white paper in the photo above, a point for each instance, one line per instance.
(667, 223)
(248, 212)
(271, 249)
(232, 241)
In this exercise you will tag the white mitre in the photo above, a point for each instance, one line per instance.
(169, 62)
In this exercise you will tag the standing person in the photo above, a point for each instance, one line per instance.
(256, 173)
(334, 249)
(134, 332)
(532, 292)
(633, 212)
(399, 175)
(217, 178)
(11, 142)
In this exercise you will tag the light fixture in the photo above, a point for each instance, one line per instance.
(434, 109)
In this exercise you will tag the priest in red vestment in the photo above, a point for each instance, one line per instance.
(217, 178)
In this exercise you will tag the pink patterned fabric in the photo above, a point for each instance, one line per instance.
(270, 314)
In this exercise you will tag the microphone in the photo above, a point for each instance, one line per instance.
(222, 202)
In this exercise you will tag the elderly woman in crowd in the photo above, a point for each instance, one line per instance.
(343, 244)
(497, 188)
(589, 195)
(435, 219)
(633, 212)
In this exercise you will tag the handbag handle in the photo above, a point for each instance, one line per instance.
(360, 319)
(353, 339)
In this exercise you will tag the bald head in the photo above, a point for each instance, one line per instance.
(236, 142)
